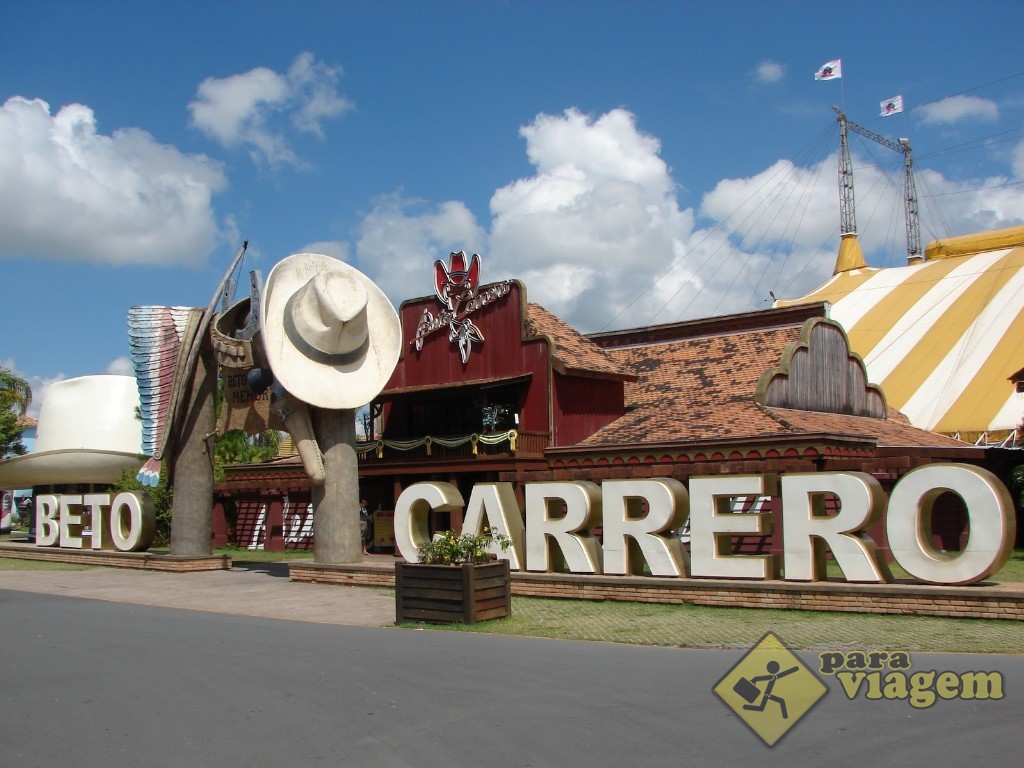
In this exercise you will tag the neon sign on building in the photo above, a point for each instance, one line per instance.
(456, 285)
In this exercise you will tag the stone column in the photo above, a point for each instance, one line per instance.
(192, 507)
(336, 504)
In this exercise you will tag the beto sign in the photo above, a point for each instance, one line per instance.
(128, 525)
(640, 517)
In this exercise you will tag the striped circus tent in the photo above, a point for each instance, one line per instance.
(943, 336)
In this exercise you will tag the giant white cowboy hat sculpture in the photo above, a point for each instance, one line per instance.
(331, 335)
(332, 340)
(87, 433)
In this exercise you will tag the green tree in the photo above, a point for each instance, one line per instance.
(15, 398)
(236, 447)
(162, 497)
(10, 434)
(15, 392)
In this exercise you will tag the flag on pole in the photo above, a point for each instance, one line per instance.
(831, 70)
(892, 106)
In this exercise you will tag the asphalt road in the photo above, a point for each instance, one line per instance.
(90, 683)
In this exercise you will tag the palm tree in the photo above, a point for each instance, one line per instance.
(15, 392)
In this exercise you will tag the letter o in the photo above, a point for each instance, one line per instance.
(135, 509)
(989, 510)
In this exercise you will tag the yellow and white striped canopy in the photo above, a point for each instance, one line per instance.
(941, 337)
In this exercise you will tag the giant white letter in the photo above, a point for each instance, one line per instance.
(94, 503)
(989, 510)
(805, 527)
(630, 536)
(712, 526)
(412, 514)
(141, 519)
(494, 505)
(70, 522)
(47, 528)
(569, 532)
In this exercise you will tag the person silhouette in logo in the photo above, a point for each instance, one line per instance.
(766, 695)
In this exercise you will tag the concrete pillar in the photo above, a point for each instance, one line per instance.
(336, 504)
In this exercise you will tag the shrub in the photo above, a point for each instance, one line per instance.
(449, 548)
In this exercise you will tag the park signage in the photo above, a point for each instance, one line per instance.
(639, 519)
(125, 523)
(456, 285)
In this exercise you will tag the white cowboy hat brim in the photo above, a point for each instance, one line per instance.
(73, 465)
(349, 384)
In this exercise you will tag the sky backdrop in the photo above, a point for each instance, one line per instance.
(632, 162)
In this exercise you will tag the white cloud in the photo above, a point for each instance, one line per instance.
(596, 225)
(963, 207)
(121, 366)
(598, 236)
(243, 109)
(335, 248)
(770, 71)
(957, 108)
(596, 233)
(783, 200)
(71, 193)
(1018, 160)
(400, 239)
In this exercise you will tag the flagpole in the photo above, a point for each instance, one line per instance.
(842, 90)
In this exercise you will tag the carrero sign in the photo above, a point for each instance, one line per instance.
(639, 519)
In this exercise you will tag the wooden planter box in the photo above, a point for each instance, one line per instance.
(449, 594)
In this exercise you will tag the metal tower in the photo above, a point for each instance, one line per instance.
(847, 214)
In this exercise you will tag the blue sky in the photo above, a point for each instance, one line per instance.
(632, 162)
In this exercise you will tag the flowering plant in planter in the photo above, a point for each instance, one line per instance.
(450, 548)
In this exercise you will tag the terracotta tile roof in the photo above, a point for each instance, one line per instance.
(894, 431)
(573, 351)
(696, 388)
(702, 388)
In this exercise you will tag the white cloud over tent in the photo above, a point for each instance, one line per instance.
(596, 230)
(599, 237)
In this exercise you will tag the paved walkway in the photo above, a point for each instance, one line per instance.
(255, 589)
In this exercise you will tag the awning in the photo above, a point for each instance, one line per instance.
(451, 386)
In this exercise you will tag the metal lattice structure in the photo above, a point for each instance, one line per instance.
(847, 212)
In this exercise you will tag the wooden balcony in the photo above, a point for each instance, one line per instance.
(475, 447)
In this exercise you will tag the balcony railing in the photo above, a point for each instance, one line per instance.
(477, 445)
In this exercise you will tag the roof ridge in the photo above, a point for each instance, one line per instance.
(571, 348)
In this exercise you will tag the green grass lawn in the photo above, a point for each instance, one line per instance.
(239, 555)
(17, 564)
(691, 626)
(1013, 571)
